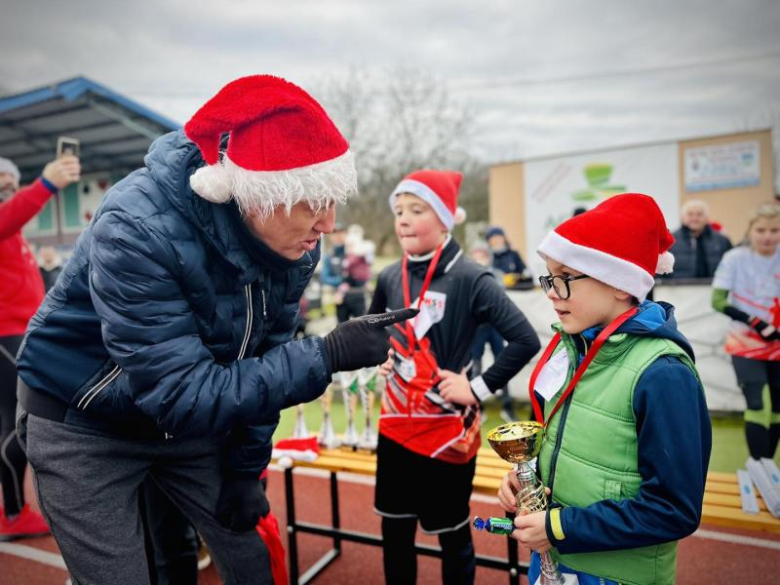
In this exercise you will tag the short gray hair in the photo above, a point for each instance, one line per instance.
(695, 204)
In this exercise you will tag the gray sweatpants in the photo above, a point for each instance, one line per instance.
(88, 487)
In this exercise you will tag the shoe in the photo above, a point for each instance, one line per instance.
(507, 415)
(26, 524)
(204, 558)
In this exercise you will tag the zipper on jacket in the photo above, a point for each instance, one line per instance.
(249, 319)
(261, 282)
(558, 439)
(98, 388)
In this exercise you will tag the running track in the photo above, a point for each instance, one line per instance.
(713, 555)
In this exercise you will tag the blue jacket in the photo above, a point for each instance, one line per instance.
(671, 418)
(508, 261)
(170, 313)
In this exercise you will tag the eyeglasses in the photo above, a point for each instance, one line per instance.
(559, 283)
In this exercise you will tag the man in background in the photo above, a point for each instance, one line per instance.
(698, 247)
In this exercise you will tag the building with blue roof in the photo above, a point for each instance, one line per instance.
(114, 134)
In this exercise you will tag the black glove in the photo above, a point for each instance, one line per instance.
(764, 329)
(242, 503)
(362, 342)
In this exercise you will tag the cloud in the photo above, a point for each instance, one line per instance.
(542, 76)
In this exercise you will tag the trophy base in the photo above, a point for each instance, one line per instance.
(568, 579)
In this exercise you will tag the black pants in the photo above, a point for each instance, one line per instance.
(354, 305)
(458, 564)
(12, 458)
(170, 540)
(762, 428)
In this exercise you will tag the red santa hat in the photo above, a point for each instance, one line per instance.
(302, 449)
(439, 189)
(282, 149)
(622, 242)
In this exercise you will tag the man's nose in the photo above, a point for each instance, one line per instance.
(327, 220)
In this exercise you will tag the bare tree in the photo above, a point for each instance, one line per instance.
(397, 121)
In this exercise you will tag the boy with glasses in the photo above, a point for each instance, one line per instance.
(627, 432)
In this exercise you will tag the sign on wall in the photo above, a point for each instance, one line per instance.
(555, 187)
(723, 166)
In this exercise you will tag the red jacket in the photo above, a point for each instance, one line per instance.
(21, 285)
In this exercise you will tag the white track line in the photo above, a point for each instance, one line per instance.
(737, 539)
(33, 554)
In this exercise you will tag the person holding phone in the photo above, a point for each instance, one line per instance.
(165, 350)
(21, 291)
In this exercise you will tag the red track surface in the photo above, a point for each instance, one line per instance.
(700, 560)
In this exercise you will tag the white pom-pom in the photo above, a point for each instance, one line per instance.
(460, 216)
(285, 461)
(665, 263)
(213, 183)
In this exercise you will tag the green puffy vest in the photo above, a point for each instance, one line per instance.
(598, 458)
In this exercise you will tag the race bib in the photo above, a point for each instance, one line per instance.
(405, 368)
(431, 312)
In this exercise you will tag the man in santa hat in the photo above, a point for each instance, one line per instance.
(164, 350)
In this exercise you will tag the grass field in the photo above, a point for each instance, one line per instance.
(728, 439)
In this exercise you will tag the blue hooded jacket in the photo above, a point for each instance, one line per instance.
(171, 313)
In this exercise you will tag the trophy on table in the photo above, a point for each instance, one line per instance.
(327, 437)
(366, 385)
(520, 443)
(348, 381)
(301, 431)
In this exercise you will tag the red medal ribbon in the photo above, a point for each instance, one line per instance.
(407, 293)
(591, 353)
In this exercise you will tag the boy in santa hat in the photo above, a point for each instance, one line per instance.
(627, 432)
(430, 420)
(164, 352)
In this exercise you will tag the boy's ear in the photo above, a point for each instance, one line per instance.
(621, 295)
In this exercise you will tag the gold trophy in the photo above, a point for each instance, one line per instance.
(520, 443)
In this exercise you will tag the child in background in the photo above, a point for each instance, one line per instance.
(487, 335)
(746, 287)
(627, 439)
(429, 426)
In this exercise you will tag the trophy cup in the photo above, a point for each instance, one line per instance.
(301, 431)
(327, 437)
(519, 443)
(347, 380)
(366, 383)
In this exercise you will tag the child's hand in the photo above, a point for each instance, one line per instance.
(386, 369)
(456, 388)
(531, 531)
(507, 491)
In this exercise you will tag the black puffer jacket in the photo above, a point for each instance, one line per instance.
(684, 251)
(160, 310)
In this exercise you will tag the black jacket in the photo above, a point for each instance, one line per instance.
(471, 296)
(713, 244)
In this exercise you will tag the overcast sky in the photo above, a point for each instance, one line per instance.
(544, 76)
